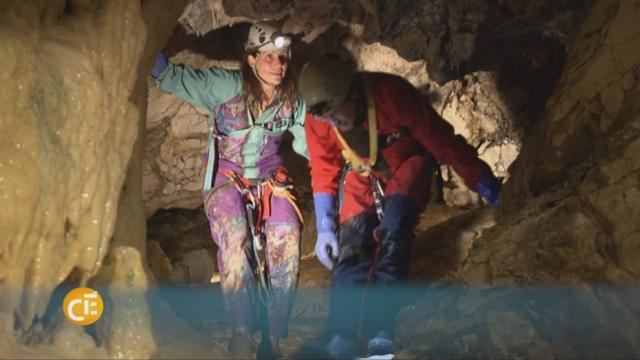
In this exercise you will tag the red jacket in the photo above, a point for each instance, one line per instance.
(398, 105)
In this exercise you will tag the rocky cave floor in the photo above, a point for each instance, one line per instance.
(199, 307)
(449, 315)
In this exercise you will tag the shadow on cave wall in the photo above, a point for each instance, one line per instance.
(526, 74)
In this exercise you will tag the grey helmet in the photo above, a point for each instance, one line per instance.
(266, 36)
(324, 83)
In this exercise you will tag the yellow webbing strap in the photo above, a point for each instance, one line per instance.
(363, 167)
(285, 192)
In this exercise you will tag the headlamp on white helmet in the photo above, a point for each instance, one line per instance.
(266, 36)
(281, 41)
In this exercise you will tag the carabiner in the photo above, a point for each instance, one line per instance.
(378, 196)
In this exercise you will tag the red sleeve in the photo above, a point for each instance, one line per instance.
(433, 132)
(325, 158)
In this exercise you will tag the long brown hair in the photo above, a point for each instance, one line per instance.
(253, 89)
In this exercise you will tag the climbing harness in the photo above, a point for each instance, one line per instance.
(255, 194)
(365, 167)
(214, 136)
(362, 167)
(258, 209)
(212, 146)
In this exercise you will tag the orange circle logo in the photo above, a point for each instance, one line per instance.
(82, 306)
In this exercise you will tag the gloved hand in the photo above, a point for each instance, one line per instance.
(326, 248)
(161, 63)
(489, 189)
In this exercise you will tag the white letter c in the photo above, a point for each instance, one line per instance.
(73, 317)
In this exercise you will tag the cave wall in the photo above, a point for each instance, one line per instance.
(72, 106)
(493, 107)
(570, 211)
(455, 37)
(474, 104)
(557, 277)
(487, 66)
(176, 133)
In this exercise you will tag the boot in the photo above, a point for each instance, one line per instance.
(336, 347)
(381, 344)
(341, 347)
(240, 346)
(269, 349)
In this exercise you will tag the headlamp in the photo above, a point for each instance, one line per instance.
(281, 41)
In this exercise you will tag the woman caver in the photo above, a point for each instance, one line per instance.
(250, 111)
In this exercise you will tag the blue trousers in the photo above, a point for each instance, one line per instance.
(370, 270)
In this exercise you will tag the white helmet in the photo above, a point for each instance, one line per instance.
(266, 36)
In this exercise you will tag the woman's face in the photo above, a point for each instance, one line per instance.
(270, 66)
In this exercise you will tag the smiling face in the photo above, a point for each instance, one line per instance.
(270, 67)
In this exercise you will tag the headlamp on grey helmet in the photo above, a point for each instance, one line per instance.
(266, 36)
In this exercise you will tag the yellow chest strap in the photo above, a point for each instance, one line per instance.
(363, 166)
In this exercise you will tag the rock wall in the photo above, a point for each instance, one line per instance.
(71, 113)
(74, 103)
(570, 209)
(558, 276)
(177, 132)
(437, 45)
(454, 37)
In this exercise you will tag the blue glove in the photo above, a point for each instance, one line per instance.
(327, 243)
(161, 63)
(327, 249)
(489, 189)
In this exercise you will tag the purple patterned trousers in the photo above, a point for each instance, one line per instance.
(230, 231)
